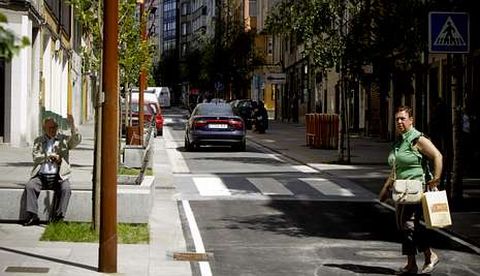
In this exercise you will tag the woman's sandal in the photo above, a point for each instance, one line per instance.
(429, 268)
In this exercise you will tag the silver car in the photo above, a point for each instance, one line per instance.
(214, 124)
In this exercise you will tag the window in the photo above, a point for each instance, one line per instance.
(185, 9)
(183, 50)
(184, 28)
(252, 5)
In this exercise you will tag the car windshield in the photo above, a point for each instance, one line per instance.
(213, 109)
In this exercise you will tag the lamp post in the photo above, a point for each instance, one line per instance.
(107, 255)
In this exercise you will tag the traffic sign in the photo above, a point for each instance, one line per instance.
(448, 32)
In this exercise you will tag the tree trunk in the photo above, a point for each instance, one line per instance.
(456, 187)
(97, 157)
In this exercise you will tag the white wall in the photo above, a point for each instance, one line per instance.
(19, 128)
(55, 72)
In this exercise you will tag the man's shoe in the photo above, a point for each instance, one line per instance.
(32, 221)
(57, 219)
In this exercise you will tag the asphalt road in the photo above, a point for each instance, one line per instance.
(258, 213)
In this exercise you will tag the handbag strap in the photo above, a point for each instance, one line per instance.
(394, 167)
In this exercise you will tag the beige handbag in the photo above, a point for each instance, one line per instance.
(406, 191)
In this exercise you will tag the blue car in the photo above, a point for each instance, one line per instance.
(214, 124)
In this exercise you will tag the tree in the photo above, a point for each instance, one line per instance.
(349, 34)
(131, 56)
(89, 14)
(10, 45)
(228, 57)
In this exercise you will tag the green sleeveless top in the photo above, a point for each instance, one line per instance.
(408, 160)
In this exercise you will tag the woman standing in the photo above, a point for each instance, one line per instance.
(406, 162)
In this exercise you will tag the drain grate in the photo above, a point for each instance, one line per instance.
(27, 269)
(191, 256)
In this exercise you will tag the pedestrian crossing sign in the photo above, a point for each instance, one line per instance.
(449, 32)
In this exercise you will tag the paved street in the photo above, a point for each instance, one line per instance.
(261, 212)
(279, 208)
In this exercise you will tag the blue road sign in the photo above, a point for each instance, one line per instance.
(448, 32)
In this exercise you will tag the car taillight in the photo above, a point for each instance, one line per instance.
(236, 124)
(199, 123)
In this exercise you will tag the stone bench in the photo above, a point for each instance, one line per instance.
(134, 202)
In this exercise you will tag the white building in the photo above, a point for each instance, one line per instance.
(45, 78)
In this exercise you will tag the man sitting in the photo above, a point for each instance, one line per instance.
(51, 170)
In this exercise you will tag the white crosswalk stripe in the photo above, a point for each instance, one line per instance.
(269, 186)
(327, 187)
(211, 186)
(305, 169)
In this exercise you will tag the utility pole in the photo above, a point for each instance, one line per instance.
(107, 257)
(143, 77)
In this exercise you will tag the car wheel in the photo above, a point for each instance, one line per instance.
(242, 146)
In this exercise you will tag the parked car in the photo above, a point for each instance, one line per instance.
(151, 100)
(150, 108)
(214, 124)
(163, 95)
(244, 108)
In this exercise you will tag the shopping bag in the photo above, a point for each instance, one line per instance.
(435, 209)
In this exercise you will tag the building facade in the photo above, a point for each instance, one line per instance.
(45, 78)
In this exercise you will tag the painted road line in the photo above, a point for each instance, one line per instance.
(305, 169)
(176, 159)
(269, 186)
(327, 187)
(205, 269)
(211, 186)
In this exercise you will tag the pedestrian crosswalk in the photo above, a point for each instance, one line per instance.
(262, 187)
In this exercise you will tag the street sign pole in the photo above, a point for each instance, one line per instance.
(449, 33)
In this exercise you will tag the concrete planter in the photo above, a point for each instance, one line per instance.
(134, 203)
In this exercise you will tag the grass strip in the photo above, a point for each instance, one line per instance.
(133, 171)
(128, 233)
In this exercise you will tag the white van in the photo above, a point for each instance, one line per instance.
(163, 95)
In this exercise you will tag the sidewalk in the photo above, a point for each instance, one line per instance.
(368, 168)
(22, 252)
(20, 246)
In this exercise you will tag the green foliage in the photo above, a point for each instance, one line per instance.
(129, 31)
(354, 32)
(83, 232)
(167, 71)
(229, 57)
(10, 45)
(131, 56)
(89, 14)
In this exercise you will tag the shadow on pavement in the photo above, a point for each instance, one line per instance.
(363, 269)
(333, 219)
(56, 260)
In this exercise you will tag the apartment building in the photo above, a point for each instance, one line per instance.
(45, 78)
